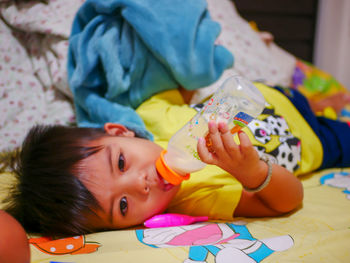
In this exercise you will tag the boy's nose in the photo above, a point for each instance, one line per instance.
(142, 184)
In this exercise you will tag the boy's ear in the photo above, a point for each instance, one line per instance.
(117, 129)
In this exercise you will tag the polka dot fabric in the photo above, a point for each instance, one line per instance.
(33, 82)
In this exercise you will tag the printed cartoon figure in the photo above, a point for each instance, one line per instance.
(70, 245)
(227, 242)
(271, 135)
(339, 180)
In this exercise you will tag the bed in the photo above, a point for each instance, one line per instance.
(317, 232)
(33, 89)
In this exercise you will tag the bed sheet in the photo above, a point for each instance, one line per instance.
(33, 82)
(317, 232)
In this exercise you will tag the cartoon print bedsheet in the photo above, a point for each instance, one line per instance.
(317, 232)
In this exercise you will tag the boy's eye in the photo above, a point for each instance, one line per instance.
(123, 206)
(121, 162)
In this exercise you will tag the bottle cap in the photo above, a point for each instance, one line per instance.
(167, 173)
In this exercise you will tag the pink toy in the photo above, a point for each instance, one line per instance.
(166, 220)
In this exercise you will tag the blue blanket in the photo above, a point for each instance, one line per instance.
(121, 52)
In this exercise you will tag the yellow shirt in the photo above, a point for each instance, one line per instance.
(280, 132)
(211, 191)
(295, 128)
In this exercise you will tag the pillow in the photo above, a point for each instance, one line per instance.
(253, 58)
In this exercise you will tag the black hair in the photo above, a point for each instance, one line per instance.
(48, 198)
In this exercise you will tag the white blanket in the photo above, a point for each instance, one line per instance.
(33, 47)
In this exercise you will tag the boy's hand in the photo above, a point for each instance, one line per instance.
(242, 161)
(284, 191)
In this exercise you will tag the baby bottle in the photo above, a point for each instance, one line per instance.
(237, 102)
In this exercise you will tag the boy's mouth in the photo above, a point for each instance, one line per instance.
(165, 184)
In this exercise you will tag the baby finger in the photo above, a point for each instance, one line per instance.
(203, 152)
(227, 139)
(246, 146)
(214, 142)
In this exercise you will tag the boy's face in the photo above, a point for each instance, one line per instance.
(123, 178)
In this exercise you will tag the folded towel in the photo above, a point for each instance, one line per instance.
(121, 52)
